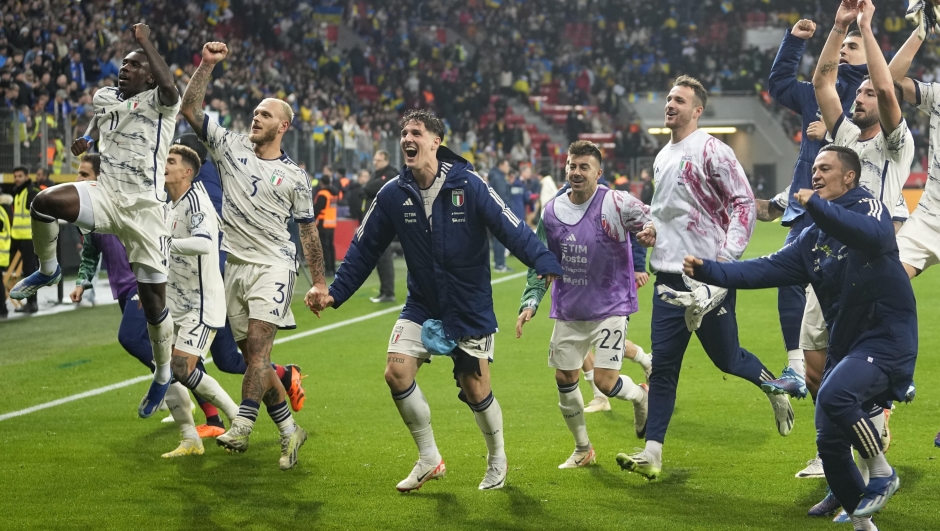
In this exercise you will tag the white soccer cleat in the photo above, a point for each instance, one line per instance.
(642, 462)
(187, 447)
(641, 412)
(814, 469)
(598, 404)
(580, 458)
(783, 413)
(290, 444)
(421, 474)
(495, 477)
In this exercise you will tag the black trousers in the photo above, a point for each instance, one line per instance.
(386, 269)
(329, 251)
(30, 265)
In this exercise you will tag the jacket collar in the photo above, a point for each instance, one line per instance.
(445, 155)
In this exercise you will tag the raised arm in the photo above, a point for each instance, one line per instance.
(782, 83)
(824, 78)
(212, 53)
(889, 109)
(166, 86)
(901, 63)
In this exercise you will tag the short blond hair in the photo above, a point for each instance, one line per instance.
(285, 108)
(695, 85)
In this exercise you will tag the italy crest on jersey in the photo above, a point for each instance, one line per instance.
(457, 198)
(277, 177)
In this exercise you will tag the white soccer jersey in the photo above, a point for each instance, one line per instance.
(702, 205)
(928, 101)
(886, 162)
(194, 287)
(259, 198)
(621, 213)
(134, 141)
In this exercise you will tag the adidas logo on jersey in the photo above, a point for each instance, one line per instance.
(243, 161)
(407, 202)
(722, 311)
(615, 358)
(275, 313)
(571, 238)
(189, 342)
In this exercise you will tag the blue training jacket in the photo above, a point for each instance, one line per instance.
(800, 97)
(850, 256)
(448, 258)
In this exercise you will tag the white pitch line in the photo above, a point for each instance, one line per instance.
(139, 379)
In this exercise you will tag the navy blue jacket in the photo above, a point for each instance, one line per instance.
(850, 256)
(799, 97)
(448, 259)
(209, 177)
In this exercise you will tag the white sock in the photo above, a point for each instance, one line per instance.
(644, 359)
(589, 376)
(655, 449)
(628, 390)
(571, 405)
(861, 523)
(161, 340)
(490, 421)
(181, 407)
(862, 469)
(416, 413)
(877, 466)
(797, 361)
(44, 244)
(209, 389)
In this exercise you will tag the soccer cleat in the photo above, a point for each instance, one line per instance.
(382, 298)
(783, 413)
(877, 493)
(187, 447)
(641, 412)
(495, 477)
(206, 431)
(886, 432)
(421, 474)
(152, 400)
(910, 394)
(842, 518)
(936, 440)
(235, 440)
(580, 458)
(290, 444)
(295, 391)
(642, 463)
(790, 382)
(814, 469)
(600, 403)
(648, 369)
(30, 285)
(827, 506)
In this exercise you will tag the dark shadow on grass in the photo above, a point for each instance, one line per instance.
(448, 508)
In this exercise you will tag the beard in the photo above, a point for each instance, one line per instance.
(263, 137)
(680, 121)
(866, 120)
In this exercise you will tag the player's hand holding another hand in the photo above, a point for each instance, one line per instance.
(647, 236)
(214, 52)
(318, 298)
(141, 32)
(689, 265)
(76, 294)
(548, 278)
(524, 318)
(803, 195)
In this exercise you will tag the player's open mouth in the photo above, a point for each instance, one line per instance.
(576, 179)
(411, 152)
(819, 185)
(842, 61)
(671, 113)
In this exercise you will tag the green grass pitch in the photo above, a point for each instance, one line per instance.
(92, 464)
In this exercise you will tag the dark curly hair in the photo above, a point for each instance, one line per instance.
(432, 123)
(581, 148)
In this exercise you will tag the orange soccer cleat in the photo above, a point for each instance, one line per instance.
(295, 391)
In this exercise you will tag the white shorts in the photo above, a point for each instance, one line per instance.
(919, 240)
(141, 228)
(813, 332)
(261, 292)
(406, 339)
(193, 337)
(572, 340)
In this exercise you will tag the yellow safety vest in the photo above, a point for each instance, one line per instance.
(22, 228)
(4, 239)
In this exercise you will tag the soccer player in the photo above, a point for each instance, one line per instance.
(800, 97)
(850, 256)
(196, 296)
(133, 127)
(441, 210)
(588, 229)
(263, 190)
(702, 202)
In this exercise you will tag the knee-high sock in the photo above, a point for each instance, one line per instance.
(645, 360)
(208, 388)
(415, 411)
(571, 404)
(797, 360)
(45, 235)
(625, 389)
(876, 465)
(489, 417)
(589, 376)
(181, 407)
(161, 339)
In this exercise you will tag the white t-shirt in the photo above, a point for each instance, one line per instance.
(430, 194)
(621, 213)
(928, 101)
(259, 198)
(194, 286)
(703, 204)
(886, 162)
(134, 141)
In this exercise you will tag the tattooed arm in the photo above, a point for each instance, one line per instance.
(767, 210)
(827, 68)
(313, 252)
(191, 109)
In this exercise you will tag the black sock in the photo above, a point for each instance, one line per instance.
(215, 420)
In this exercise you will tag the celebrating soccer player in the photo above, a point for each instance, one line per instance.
(263, 190)
(133, 127)
(702, 202)
(441, 211)
(589, 229)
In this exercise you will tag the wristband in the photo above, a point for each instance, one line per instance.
(90, 140)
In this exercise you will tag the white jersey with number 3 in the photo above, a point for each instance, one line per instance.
(260, 198)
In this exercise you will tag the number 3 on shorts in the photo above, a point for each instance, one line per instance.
(279, 298)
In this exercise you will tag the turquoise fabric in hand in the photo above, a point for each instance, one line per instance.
(434, 339)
